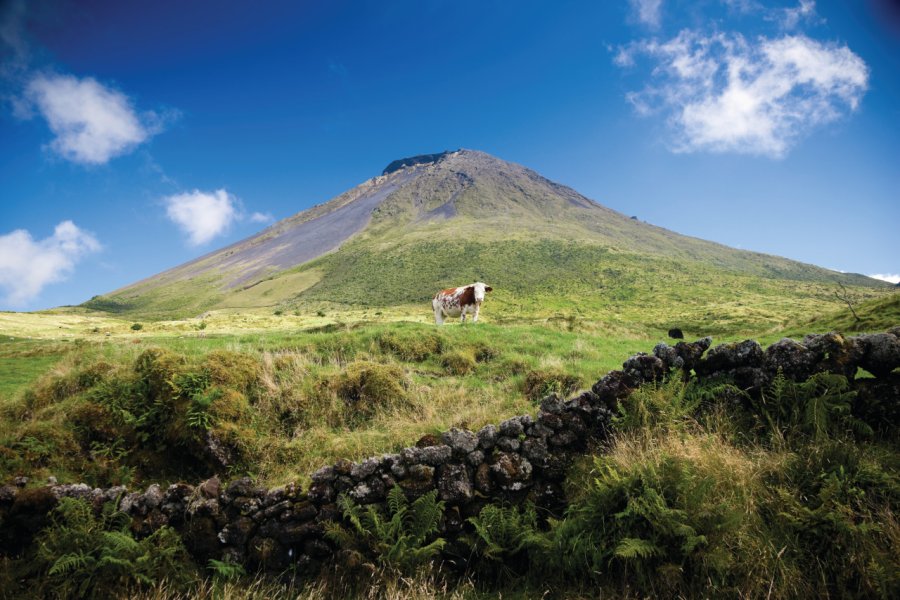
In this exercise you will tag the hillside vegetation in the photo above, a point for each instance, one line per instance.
(457, 217)
(704, 490)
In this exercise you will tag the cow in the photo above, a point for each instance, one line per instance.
(457, 302)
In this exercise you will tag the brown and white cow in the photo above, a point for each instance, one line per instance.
(457, 302)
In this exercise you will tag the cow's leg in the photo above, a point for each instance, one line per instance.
(438, 316)
(475, 318)
(462, 315)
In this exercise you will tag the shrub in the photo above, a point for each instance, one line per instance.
(401, 538)
(413, 347)
(83, 555)
(157, 369)
(459, 362)
(368, 387)
(657, 406)
(136, 327)
(817, 408)
(485, 352)
(665, 519)
(507, 538)
(830, 506)
(542, 382)
(233, 369)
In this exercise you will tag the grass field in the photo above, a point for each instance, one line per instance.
(87, 397)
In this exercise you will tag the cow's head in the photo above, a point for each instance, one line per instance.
(480, 289)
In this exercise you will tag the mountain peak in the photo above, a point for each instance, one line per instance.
(421, 159)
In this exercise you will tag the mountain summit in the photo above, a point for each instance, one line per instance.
(435, 220)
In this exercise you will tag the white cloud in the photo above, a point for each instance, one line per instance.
(259, 217)
(647, 12)
(790, 18)
(26, 265)
(202, 215)
(889, 277)
(723, 93)
(92, 123)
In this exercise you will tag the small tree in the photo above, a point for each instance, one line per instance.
(844, 296)
(137, 327)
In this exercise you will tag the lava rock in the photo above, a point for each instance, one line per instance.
(454, 484)
(881, 353)
(511, 472)
(643, 368)
(461, 441)
(793, 359)
(487, 437)
(727, 357)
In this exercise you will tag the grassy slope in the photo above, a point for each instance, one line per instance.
(473, 216)
(300, 422)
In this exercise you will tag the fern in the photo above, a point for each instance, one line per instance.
(71, 562)
(402, 538)
(636, 548)
(88, 555)
(225, 570)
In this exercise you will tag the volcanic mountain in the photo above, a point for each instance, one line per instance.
(444, 219)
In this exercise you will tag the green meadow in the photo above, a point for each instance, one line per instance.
(97, 398)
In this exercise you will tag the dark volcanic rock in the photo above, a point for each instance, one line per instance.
(614, 386)
(512, 472)
(643, 368)
(835, 353)
(727, 357)
(454, 484)
(461, 441)
(881, 353)
(691, 352)
(419, 480)
(793, 359)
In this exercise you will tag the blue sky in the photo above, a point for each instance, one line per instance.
(136, 136)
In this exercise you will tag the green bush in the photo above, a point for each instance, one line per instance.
(414, 346)
(666, 523)
(401, 538)
(136, 327)
(542, 382)
(831, 506)
(506, 539)
(459, 362)
(368, 387)
(83, 555)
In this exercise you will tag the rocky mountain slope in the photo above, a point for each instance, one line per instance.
(436, 220)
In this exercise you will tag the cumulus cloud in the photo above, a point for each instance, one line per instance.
(202, 215)
(724, 93)
(92, 123)
(26, 265)
(648, 12)
(889, 277)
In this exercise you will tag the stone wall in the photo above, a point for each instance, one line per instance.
(524, 457)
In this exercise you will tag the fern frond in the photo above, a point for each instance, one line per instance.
(71, 562)
(636, 548)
